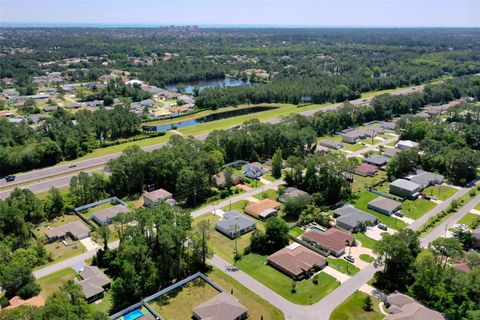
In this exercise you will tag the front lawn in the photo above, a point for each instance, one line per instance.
(343, 266)
(53, 281)
(470, 219)
(414, 209)
(363, 198)
(62, 252)
(366, 258)
(353, 147)
(440, 192)
(352, 309)
(306, 292)
(365, 241)
(257, 307)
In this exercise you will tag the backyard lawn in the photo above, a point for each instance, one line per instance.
(258, 308)
(416, 208)
(306, 292)
(353, 147)
(102, 305)
(59, 221)
(296, 232)
(365, 241)
(53, 281)
(440, 192)
(363, 198)
(343, 266)
(351, 309)
(470, 219)
(179, 303)
(362, 183)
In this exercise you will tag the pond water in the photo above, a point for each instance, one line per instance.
(202, 84)
(208, 118)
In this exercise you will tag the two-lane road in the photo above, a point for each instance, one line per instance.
(34, 177)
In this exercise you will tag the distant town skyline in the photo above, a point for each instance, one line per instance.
(289, 13)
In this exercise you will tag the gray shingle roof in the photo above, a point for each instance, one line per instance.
(221, 307)
(352, 217)
(405, 184)
(75, 228)
(385, 204)
(109, 213)
(425, 178)
(232, 219)
(377, 160)
(94, 281)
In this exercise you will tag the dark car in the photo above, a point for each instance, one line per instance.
(9, 178)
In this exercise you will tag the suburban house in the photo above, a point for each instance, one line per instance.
(263, 209)
(391, 152)
(235, 224)
(354, 135)
(254, 170)
(151, 199)
(291, 192)
(405, 189)
(378, 161)
(75, 230)
(296, 261)
(366, 170)
(319, 148)
(406, 144)
(388, 125)
(402, 307)
(94, 103)
(425, 178)
(384, 205)
(147, 103)
(219, 179)
(93, 283)
(73, 105)
(333, 240)
(331, 144)
(186, 99)
(350, 218)
(106, 216)
(221, 307)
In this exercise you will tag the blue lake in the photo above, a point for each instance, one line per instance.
(208, 118)
(202, 84)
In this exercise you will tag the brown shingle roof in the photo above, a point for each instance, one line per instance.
(365, 169)
(297, 259)
(402, 307)
(332, 239)
(158, 194)
(255, 209)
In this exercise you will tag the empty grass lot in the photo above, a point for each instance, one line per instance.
(470, 219)
(416, 208)
(61, 252)
(179, 303)
(365, 241)
(363, 183)
(258, 308)
(363, 198)
(53, 281)
(440, 192)
(267, 194)
(306, 292)
(352, 309)
(343, 266)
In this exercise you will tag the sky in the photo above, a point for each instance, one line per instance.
(318, 13)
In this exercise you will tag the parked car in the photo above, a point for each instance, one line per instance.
(349, 259)
(10, 178)
(382, 226)
(399, 214)
(73, 165)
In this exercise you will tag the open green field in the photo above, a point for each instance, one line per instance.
(306, 291)
(365, 241)
(53, 281)
(267, 194)
(414, 209)
(258, 308)
(440, 192)
(343, 266)
(179, 303)
(351, 309)
(361, 202)
(470, 219)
